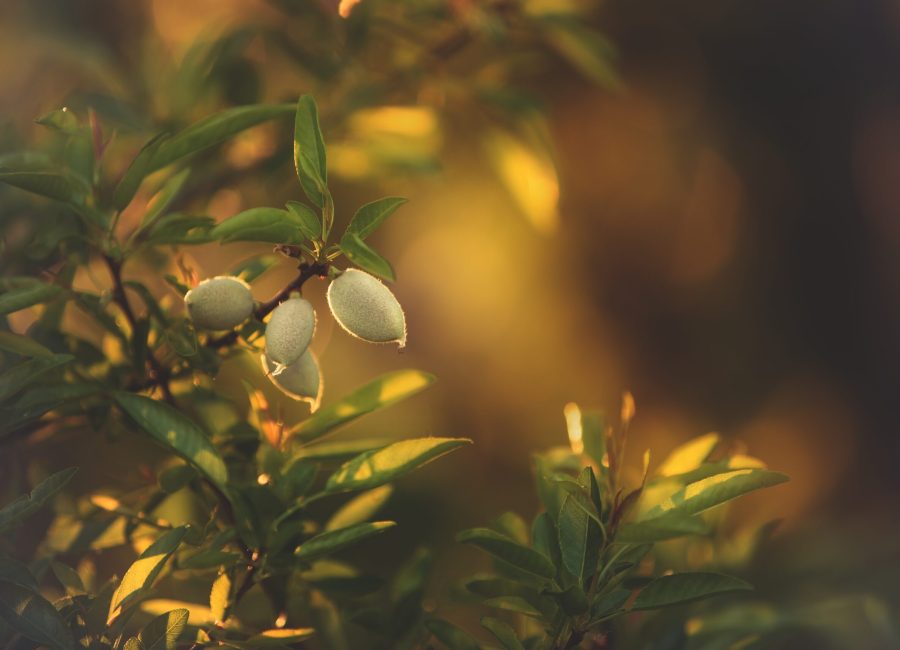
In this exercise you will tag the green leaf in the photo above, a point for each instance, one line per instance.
(371, 215)
(214, 130)
(688, 456)
(335, 540)
(377, 394)
(668, 526)
(360, 508)
(17, 573)
(18, 344)
(62, 120)
(219, 596)
(26, 505)
(32, 616)
(450, 635)
(173, 430)
(579, 539)
(514, 604)
(504, 548)
(23, 374)
(587, 50)
(714, 490)
(609, 603)
(339, 449)
(504, 633)
(251, 269)
(593, 428)
(139, 168)
(32, 293)
(164, 197)
(545, 538)
(52, 186)
(68, 578)
(307, 220)
(178, 228)
(271, 225)
(141, 574)
(374, 468)
(163, 631)
(363, 256)
(309, 151)
(176, 477)
(686, 587)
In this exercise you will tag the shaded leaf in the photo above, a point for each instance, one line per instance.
(503, 632)
(136, 172)
(514, 604)
(27, 504)
(68, 578)
(31, 615)
(450, 635)
(174, 431)
(686, 587)
(608, 603)
(377, 394)
(668, 526)
(508, 550)
(52, 186)
(23, 374)
(32, 293)
(18, 344)
(335, 540)
(374, 468)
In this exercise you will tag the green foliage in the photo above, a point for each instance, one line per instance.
(582, 569)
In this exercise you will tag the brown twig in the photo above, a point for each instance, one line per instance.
(159, 374)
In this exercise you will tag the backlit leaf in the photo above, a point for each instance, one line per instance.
(377, 394)
(363, 256)
(374, 468)
(335, 540)
(272, 225)
(174, 431)
(371, 215)
(307, 220)
(688, 456)
(360, 508)
(163, 631)
(309, 151)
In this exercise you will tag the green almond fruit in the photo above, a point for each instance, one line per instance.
(366, 308)
(289, 331)
(220, 303)
(301, 380)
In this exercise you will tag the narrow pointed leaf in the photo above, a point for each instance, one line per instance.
(173, 430)
(688, 456)
(450, 635)
(52, 186)
(513, 604)
(141, 574)
(214, 130)
(271, 225)
(371, 215)
(21, 375)
(136, 172)
(279, 637)
(309, 151)
(32, 293)
(163, 631)
(40, 495)
(686, 587)
(377, 394)
(22, 345)
(374, 468)
(579, 539)
(335, 540)
(504, 548)
(32, 616)
(360, 508)
(307, 220)
(219, 595)
(363, 256)
(714, 490)
(503, 632)
(667, 526)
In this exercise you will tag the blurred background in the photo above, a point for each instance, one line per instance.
(698, 202)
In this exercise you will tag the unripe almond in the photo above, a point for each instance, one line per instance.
(220, 303)
(366, 308)
(289, 331)
(301, 380)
